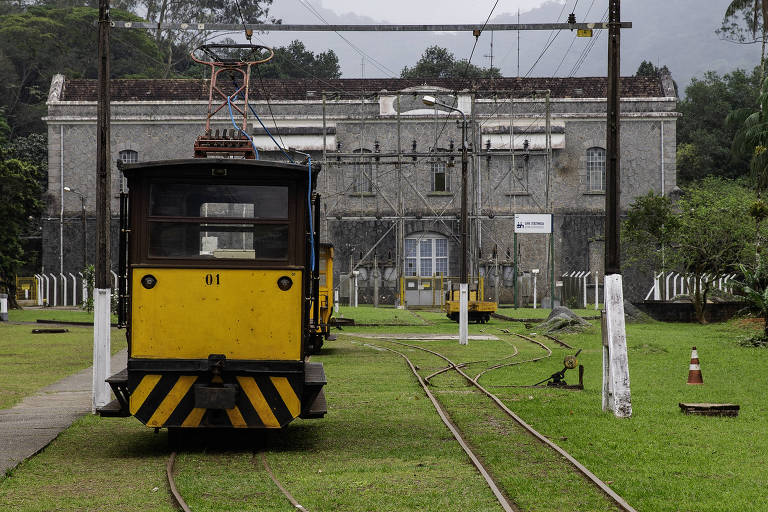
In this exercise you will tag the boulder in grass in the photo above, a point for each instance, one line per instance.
(562, 319)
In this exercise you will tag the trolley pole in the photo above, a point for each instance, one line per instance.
(102, 289)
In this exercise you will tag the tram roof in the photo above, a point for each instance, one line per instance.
(230, 163)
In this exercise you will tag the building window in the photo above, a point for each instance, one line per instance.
(362, 174)
(426, 255)
(441, 180)
(129, 156)
(596, 170)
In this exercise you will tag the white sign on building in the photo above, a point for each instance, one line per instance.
(533, 223)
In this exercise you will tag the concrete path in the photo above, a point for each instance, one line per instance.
(28, 427)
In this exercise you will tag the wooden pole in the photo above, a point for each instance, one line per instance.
(103, 283)
(612, 174)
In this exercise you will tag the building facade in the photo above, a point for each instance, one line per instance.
(391, 176)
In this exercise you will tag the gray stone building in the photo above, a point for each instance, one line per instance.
(391, 178)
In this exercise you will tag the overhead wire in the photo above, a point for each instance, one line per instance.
(381, 67)
(575, 36)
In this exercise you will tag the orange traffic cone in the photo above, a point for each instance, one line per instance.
(694, 371)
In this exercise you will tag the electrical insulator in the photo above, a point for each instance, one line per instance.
(338, 150)
(488, 150)
(572, 19)
(413, 149)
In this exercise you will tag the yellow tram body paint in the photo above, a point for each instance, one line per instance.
(192, 313)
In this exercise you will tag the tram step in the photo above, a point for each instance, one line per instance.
(318, 408)
(120, 377)
(314, 375)
(113, 410)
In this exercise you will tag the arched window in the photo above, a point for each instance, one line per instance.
(596, 170)
(426, 255)
(441, 177)
(362, 174)
(129, 156)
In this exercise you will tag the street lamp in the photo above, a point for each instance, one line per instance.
(431, 101)
(82, 204)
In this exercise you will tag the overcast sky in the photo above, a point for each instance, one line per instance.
(420, 11)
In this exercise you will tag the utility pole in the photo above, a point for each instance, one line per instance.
(612, 172)
(102, 289)
(616, 389)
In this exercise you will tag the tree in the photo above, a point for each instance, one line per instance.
(20, 190)
(704, 133)
(37, 43)
(295, 61)
(437, 62)
(647, 68)
(178, 44)
(743, 21)
(708, 233)
(647, 231)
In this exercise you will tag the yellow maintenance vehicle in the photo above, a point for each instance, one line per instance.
(478, 310)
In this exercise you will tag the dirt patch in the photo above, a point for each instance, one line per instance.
(751, 323)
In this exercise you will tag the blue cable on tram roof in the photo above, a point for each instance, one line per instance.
(232, 118)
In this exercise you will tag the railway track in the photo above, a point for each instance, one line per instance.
(503, 501)
(182, 504)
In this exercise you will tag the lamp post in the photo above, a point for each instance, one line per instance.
(82, 215)
(431, 101)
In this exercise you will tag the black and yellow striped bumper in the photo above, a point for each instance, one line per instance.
(172, 398)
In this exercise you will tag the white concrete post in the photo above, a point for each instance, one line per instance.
(114, 279)
(535, 273)
(63, 289)
(74, 289)
(666, 286)
(85, 287)
(335, 302)
(616, 392)
(39, 283)
(586, 278)
(55, 290)
(463, 313)
(656, 286)
(47, 289)
(597, 287)
(354, 279)
(674, 286)
(101, 347)
(3, 307)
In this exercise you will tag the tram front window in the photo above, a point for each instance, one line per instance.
(244, 222)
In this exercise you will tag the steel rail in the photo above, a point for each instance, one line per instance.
(586, 472)
(465, 364)
(285, 492)
(496, 367)
(503, 501)
(559, 342)
(172, 484)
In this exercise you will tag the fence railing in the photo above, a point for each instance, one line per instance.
(581, 287)
(55, 289)
(668, 285)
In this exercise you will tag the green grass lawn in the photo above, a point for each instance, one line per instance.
(543, 313)
(383, 448)
(61, 315)
(367, 314)
(33, 361)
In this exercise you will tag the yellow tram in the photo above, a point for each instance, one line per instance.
(222, 275)
(325, 298)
